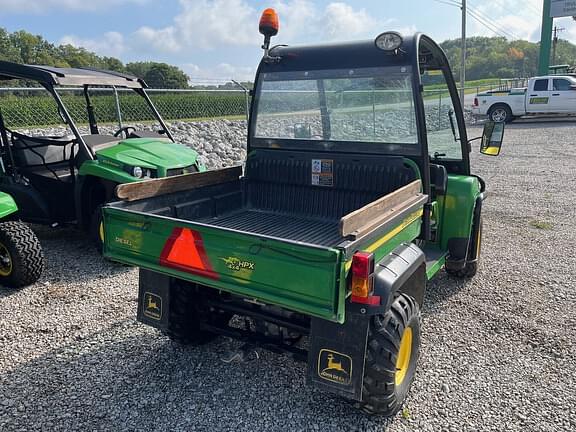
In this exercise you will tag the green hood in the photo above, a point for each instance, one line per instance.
(154, 153)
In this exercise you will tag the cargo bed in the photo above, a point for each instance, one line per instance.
(321, 232)
(268, 235)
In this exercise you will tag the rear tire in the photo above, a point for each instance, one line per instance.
(391, 357)
(500, 114)
(21, 256)
(187, 312)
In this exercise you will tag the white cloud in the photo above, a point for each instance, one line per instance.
(223, 72)
(209, 24)
(41, 6)
(343, 22)
(204, 24)
(111, 44)
(512, 18)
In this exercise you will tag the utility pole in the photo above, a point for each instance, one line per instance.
(545, 39)
(463, 59)
(555, 42)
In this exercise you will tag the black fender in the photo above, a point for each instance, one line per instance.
(402, 271)
(476, 222)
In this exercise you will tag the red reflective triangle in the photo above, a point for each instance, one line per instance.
(184, 250)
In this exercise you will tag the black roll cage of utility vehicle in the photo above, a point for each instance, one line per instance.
(53, 204)
(418, 52)
(49, 77)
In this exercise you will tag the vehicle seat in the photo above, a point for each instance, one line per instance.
(32, 151)
(46, 156)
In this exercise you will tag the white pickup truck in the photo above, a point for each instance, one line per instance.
(554, 94)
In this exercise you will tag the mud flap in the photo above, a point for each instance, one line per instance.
(336, 355)
(153, 299)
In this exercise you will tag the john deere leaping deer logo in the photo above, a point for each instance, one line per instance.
(152, 306)
(334, 366)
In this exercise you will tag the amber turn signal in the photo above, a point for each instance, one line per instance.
(269, 22)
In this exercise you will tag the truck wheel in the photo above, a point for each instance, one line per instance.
(500, 114)
(471, 267)
(186, 314)
(391, 357)
(97, 229)
(21, 257)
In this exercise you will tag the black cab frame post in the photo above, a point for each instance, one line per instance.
(143, 93)
(90, 110)
(69, 120)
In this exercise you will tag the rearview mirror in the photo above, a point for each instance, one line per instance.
(492, 138)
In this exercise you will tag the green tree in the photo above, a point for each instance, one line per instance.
(159, 75)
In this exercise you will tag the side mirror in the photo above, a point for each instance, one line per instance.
(492, 138)
(573, 87)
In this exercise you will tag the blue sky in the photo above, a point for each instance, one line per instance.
(218, 39)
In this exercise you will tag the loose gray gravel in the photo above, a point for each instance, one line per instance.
(498, 352)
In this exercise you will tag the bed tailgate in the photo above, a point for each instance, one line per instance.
(298, 276)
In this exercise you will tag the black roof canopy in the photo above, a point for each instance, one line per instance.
(48, 75)
(416, 50)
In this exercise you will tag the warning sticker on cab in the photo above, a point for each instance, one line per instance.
(323, 172)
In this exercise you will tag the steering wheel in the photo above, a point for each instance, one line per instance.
(125, 130)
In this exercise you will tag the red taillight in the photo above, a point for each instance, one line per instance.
(476, 101)
(362, 264)
(362, 278)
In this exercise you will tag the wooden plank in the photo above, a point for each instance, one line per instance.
(365, 216)
(149, 188)
(417, 202)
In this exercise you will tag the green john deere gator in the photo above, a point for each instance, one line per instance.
(355, 192)
(59, 180)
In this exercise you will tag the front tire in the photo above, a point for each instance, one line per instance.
(96, 229)
(501, 114)
(21, 256)
(391, 357)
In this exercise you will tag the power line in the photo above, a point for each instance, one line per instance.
(448, 2)
(491, 21)
(486, 21)
(481, 18)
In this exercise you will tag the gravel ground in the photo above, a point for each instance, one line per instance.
(498, 352)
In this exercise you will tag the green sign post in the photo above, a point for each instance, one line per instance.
(545, 39)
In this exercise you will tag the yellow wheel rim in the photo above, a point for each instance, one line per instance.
(404, 354)
(5, 261)
(101, 231)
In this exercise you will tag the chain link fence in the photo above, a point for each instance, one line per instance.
(25, 107)
(35, 107)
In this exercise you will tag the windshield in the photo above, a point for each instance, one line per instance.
(360, 105)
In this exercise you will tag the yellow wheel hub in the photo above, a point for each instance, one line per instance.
(404, 354)
(5, 261)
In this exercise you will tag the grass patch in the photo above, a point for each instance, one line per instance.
(543, 225)
(405, 413)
